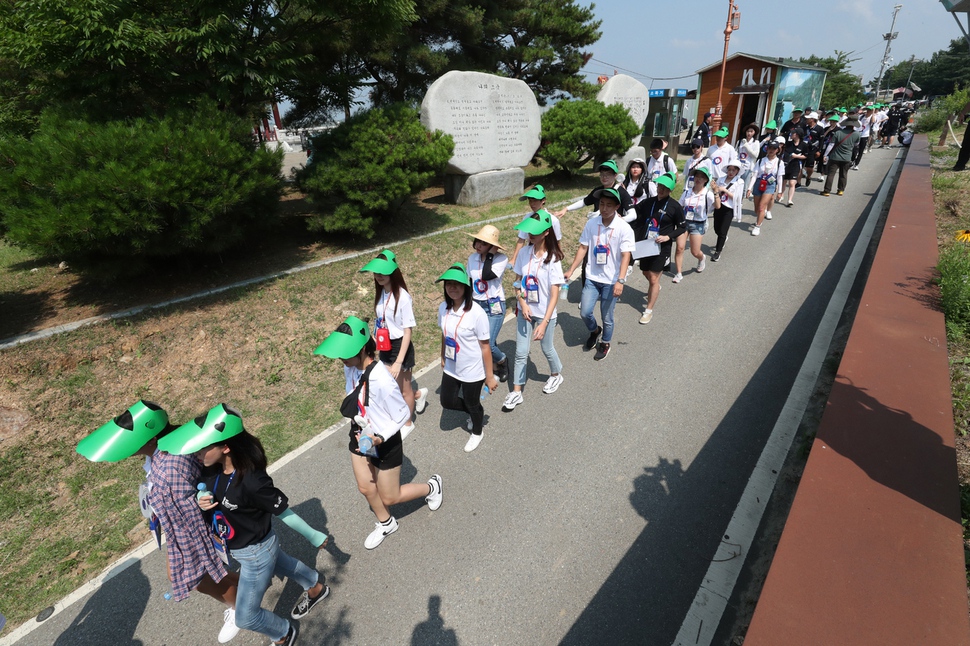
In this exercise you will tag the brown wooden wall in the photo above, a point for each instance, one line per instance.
(733, 76)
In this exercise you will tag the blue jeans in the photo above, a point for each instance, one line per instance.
(257, 565)
(494, 327)
(592, 292)
(523, 339)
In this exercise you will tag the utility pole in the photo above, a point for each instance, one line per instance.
(889, 41)
(733, 24)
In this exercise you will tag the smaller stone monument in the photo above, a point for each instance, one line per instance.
(495, 123)
(635, 97)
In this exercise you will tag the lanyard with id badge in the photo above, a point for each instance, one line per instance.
(653, 227)
(381, 334)
(451, 342)
(601, 252)
(222, 531)
(494, 303)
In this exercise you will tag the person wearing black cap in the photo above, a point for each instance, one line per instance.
(838, 154)
(704, 130)
(605, 245)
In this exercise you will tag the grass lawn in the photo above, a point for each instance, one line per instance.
(62, 518)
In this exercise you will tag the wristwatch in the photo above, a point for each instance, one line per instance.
(622, 281)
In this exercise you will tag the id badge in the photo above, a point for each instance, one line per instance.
(219, 545)
(495, 306)
(531, 289)
(653, 230)
(600, 254)
(383, 339)
(221, 531)
(451, 348)
(688, 210)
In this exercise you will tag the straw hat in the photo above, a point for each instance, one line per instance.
(488, 234)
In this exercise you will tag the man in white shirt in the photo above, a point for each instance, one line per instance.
(721, 153)
(607, 245)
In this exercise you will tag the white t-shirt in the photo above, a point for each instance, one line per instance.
(733, 200)
(484, 290)
(395, 322)
(556, 229)
(466, 328)
(719, 157)
(698, 207)
(771, 171)
(617, 237)
(690, 166)
(545, 276)
(386, 410)
(656, 168)
(748, 153)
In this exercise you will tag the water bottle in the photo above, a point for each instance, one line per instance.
(564, 289)
(203, 491)
(168, 595)
(365, 443)
(485, 392)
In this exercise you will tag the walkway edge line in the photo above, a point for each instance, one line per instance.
(707, 609)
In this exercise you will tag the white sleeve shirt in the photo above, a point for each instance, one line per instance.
(395, 321)
(466, 328)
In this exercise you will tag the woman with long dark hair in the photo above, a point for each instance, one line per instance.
(393, 328)
(466, 358)
(539, 272)
(635, 184)
(377, 411)
(240, 503)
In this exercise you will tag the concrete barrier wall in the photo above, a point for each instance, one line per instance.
(872, 552)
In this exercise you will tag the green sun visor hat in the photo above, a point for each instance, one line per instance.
(537, 224)
(384, 264)
(214, 427)
(123, 436)
(347, 341)
(609, 165)
(666, 180)
(608, 192)
(771, 125)
(706, 172)
(721, 132)
(456, 273)
(833, 118)
(535, 193)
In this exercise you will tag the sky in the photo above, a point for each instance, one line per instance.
(659, 39)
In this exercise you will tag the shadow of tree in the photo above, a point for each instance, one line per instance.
(24, 311)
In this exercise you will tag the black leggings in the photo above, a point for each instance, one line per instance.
(722, 222)
(466, 396)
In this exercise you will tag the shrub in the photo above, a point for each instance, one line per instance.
(580, 131)
(128, 193)
(954, 267)
(366, 167)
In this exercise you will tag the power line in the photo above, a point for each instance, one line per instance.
(652, 78)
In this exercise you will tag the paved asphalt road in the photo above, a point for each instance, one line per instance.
(586, 516)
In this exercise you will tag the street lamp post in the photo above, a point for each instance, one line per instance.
(889, 42)
(733, 24)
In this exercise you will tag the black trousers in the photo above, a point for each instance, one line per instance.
(860, 150)
(964, 155)
(722, 223)
(466, 396)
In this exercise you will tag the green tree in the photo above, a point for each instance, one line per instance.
(366, 167)
(940, 75)
(841, 86)
(129, 193)
(580, 131)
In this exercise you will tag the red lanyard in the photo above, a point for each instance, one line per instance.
(599, 233)
(458, 325)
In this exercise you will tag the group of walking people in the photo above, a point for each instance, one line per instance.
(207, 487)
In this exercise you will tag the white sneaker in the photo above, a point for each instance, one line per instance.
(381, 530)
(701, 265)
(552, 384)
(767, 215)
(434, 498)
(421, 401)
(756, 231)
(512, 400)
(679, 277)
(647, 316)
(406, 430)
(473, 442)
(229, 628)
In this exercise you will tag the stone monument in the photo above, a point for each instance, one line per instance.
(635, 97)
(495, 123)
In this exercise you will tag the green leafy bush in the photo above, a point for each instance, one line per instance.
(364, 169)
(954, 267)
(128, 193)
(576, 132)
(934, 120)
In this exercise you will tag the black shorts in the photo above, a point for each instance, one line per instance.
(390, 356)
(390, 453)
(657, 263)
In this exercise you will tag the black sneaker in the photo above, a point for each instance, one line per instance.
(503, 370)
(306, 602)
(601, 351)
(290, 638)
(715, 256)
(593, 337)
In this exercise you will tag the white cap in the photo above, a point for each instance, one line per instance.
(779, 139)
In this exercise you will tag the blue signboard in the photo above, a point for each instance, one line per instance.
(657, 94)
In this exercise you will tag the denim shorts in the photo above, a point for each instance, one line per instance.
(696, 228)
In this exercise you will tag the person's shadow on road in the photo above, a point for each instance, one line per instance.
(112, 613)
(432, 631)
